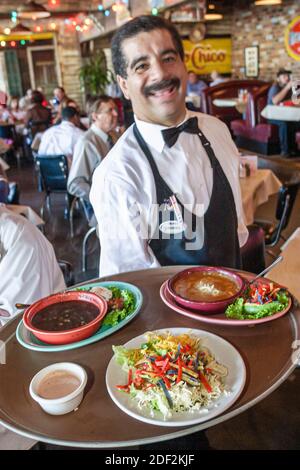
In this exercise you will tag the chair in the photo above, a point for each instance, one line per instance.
(53, 172)
(253, 252)
(84, 247)
(285, 202)
(228, 89)
(75, 203)
(67, 270)
(254, 133)
(8, 132)
(298, 140)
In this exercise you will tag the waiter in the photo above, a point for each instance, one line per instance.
(183, 162)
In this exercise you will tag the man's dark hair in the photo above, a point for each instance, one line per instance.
(37, 97)
(283, 72)
(141, 24)
(68, 113)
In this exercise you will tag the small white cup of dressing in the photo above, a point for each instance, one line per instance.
(59, 387)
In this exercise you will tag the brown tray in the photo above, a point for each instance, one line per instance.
(265, 348)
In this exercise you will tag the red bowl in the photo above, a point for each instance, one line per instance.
(208, 307)
(66, 336)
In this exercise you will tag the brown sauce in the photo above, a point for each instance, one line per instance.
(58, 384)
(65, 315)
(205, 286)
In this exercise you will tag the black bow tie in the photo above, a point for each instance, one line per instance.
(171, 134)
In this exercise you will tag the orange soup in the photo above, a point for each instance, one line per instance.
(205, 286)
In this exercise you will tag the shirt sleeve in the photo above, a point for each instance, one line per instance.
(85, 159)
(28, 268)
(123, 237)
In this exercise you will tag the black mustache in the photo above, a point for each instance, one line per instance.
(148, 90)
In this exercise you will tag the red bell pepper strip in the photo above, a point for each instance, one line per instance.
(179, 374)
(205, 382)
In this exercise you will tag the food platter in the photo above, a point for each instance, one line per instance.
(217, 319)
(223, 352)
(29, 341)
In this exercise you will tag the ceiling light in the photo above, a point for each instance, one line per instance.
(267, 2)
(213, 16)
(32, 10)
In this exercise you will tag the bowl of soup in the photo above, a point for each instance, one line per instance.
(206, 288)
(59, 388)
(65, 317)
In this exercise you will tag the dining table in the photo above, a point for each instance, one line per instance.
(239, 104)
(281, 113)
(98, 422)
(256, 190)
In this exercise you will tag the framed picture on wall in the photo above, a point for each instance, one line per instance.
(252, 61)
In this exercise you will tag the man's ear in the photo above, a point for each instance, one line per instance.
(122, 82)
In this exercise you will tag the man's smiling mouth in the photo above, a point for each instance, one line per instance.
(164, 88)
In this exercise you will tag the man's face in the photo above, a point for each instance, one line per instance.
(283, 79)
(192, 77)
(59, 94)
(106, 117)
(156, 78)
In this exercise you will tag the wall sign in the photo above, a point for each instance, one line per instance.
(292, 38)
(252, 61)
(208, 55)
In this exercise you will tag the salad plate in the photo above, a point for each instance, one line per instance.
(29, 341)
(222, 351)
(218, 319)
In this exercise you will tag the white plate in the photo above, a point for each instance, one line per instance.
(224, 353)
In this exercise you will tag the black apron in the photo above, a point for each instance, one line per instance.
(220, 244)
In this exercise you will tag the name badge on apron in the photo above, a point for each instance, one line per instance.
(172, 227)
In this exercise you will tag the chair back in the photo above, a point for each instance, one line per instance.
(8, 132)
(285, 203)
(53, 170)
(257, 101)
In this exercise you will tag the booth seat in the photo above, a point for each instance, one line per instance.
(298, 139)
(254, 133)
(228, 89)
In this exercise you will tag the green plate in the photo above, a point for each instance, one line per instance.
(29, 341)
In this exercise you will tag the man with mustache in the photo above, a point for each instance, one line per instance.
(182, 161)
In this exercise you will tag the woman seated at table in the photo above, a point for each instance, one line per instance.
(14, 108)
(28, 266)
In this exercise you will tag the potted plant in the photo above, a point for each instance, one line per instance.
(94, 76)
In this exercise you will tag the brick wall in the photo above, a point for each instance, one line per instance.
(265, 27)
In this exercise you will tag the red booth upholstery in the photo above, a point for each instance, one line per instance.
(298, 140)
(228, 89)
(254, 132)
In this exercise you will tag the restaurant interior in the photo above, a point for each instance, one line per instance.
(236, 50)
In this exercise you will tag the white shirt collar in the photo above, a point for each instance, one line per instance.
(151, 133)
(99, 132)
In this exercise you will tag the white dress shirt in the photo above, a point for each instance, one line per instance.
(60, 139)
(28, 266)
(90, 149)
(125, 180)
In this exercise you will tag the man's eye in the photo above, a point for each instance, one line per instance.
(169, 59)
(141, 67)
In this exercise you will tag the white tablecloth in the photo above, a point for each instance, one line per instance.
(256, 190)
(281, 113)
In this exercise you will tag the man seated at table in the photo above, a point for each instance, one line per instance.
(92, 148)
(170, 158)
(62, 138)
(279, 92)
(28, 266)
